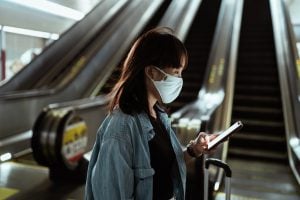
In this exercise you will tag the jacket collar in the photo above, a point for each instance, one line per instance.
(146, 123)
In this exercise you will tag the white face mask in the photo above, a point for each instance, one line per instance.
(169, 88)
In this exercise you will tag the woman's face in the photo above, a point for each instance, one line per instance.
(160, 74)
(152, 72)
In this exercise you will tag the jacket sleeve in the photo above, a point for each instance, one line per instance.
(112, 176)
(88, 195)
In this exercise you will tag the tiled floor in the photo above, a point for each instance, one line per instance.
(20, 181)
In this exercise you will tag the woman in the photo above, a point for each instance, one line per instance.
(136, 154)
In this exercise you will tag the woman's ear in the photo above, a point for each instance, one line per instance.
(149, 71)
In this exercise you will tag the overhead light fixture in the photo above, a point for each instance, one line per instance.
(5, 157)
(50, 7)
(29, 32)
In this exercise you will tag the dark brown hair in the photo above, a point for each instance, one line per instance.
(158, 47)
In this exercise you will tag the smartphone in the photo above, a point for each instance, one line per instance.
(225, 134)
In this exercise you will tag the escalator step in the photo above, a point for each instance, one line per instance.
(255, 47)
(262, 126)
(259, 42)
(257, 90)
(266, 80)
(255, 141)
(254, 101)
(255, 136)
(257, 154)
(258, 71)
(258, 45)
(254, 54)
(257, 112)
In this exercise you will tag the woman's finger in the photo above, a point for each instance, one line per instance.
(213, 136)
(207, 139)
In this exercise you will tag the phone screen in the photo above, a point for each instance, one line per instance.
(232, 129)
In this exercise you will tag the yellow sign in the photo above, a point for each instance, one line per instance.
(216, 70)
(74, 141)
(221, 67)
(212, 74)
(78, 65)
(7, 192)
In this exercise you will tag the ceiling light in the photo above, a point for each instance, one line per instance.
(29, 32)
(5, 157)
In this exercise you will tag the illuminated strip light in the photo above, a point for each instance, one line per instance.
(5, 157)
(50, 7)
(29, 32)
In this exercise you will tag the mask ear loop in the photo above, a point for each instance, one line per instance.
(164, 73)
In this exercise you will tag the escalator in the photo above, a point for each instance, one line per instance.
(258, 154)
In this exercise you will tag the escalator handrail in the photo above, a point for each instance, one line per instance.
(223, 115)
(294, 55)
(69, 43)
(293, 65)
(184, 12)
(286, 55)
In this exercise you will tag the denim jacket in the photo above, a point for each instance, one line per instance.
(120, 166)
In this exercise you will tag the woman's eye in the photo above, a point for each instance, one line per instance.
(178, 75)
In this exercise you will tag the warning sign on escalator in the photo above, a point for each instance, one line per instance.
(74, 141)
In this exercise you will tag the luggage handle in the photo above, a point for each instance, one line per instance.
(220, 164)
(228, 174)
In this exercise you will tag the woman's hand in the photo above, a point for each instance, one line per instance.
(200, 144)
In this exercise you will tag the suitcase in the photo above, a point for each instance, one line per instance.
(227, 170)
